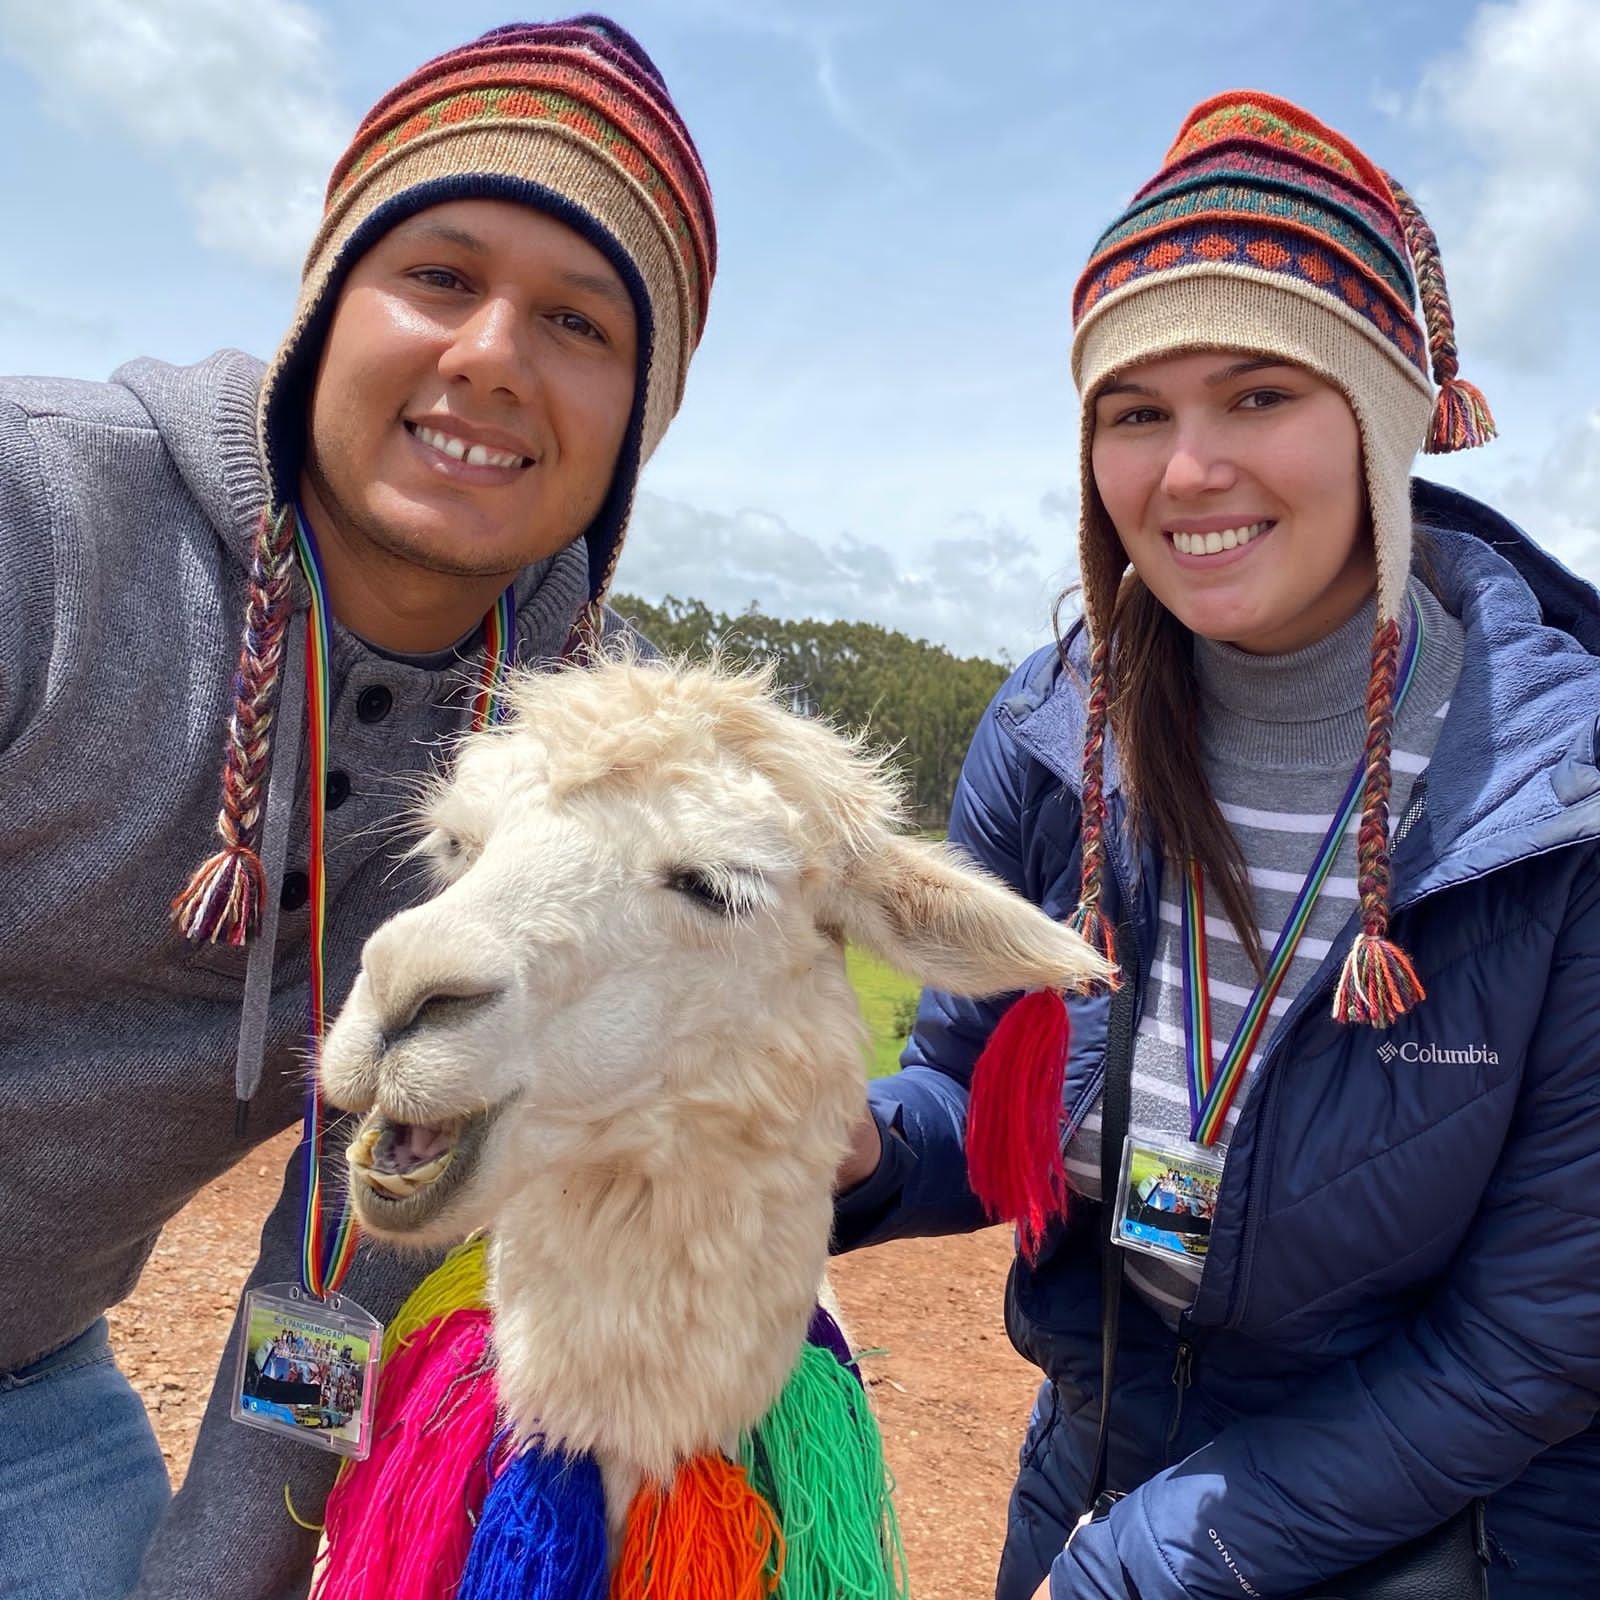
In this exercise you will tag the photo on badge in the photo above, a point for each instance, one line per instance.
(1166, 1197)
(307, 1368)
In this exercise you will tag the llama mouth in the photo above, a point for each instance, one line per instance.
(402, 1174)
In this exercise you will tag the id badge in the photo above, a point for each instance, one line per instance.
(1166, 1197)
(308, 1368)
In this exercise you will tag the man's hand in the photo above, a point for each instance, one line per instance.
(861, 1160)
(1043, 1591)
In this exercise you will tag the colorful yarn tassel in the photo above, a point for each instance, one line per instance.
(221, 903)
(1461, 419)
(1377, 985)
(1093, 926)
(1014, 1118)
(817, 1458)
(399, 1528)
(542, 1535)
(709, 1537)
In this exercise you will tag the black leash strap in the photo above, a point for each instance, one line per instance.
(1116, 1108)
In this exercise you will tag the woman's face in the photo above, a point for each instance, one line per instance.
(1236, 485)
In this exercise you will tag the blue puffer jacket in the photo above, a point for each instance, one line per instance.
(1400, 1309)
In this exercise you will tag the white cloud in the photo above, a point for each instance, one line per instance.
(1520, 98)
(980, 588)
(236, 97)
(1566, 491)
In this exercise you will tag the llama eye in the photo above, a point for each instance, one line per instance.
(701, 888)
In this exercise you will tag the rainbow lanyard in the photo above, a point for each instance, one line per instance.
(1212, 1089)
(325, 1256)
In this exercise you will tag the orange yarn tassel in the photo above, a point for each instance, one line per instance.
(709, 1537)
(1461, 419)
(1014, 1118)
(1378, 984)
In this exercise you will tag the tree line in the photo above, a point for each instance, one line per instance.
(915, 698)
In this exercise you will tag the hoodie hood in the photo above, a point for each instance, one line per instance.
(206, 416)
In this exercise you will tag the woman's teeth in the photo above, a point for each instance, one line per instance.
(475, 455)
(1211, 544)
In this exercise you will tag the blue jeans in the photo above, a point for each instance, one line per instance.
(82, 1482)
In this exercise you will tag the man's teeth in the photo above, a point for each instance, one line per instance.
(475, 455)
(1211, 544)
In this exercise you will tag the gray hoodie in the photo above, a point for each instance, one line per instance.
(126, 511)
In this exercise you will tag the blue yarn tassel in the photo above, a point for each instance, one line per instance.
(542, 1535)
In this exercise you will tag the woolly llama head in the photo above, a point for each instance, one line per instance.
(634, 961)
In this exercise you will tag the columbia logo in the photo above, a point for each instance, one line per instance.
(1473, 1055)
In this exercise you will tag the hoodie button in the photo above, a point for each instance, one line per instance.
(374, 703)
(338, 790)
(296, 891)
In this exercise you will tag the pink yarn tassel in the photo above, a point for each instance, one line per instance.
(399, 1523)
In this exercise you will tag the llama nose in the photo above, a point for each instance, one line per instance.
(434, 1008)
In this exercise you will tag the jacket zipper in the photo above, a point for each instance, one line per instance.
(1182, 1377)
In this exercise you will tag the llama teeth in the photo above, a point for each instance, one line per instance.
(397, 1184)
(401, 1185)
(361, 1147)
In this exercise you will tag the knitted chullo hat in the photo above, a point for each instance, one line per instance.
(571, 118)
(1267, 233)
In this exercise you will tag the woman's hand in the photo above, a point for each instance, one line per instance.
(1043, 1591)
(861, 1160)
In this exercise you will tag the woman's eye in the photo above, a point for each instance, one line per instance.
(1137, 417)
(1262, 399)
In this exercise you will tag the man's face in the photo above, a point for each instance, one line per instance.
(473, 391)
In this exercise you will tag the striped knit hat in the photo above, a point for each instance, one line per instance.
(571, 118)
(1267, 233)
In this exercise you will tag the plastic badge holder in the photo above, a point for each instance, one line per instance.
(1166, 1196)
(308, 1368)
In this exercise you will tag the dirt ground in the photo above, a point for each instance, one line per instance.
(951, 1393)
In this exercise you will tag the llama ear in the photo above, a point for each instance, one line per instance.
(949, 925)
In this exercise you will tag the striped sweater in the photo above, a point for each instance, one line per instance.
(1280, 737)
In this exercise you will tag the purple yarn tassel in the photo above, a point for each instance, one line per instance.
(824, 1331)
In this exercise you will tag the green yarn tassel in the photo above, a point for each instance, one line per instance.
(817, 1459)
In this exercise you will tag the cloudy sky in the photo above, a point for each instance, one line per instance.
(880, 420)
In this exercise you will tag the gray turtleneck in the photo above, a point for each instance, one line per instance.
(126, 512)
(1280, 737)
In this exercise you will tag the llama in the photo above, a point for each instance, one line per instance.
(621, 1039)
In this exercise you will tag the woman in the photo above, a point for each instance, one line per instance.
(1383, 1300)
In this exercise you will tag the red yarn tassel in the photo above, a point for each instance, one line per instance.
(1377, 985)
(1461, 419)
(710, 1536)
(1014, 1118)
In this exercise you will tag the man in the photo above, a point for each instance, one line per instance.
(493, 332)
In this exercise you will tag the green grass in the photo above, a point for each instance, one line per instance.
(888, 1002)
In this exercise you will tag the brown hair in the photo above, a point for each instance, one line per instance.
(1169, 797)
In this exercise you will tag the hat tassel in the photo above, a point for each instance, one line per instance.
(1461, 419)
(222, 902)
(1377, 985)
(1014, 1118)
